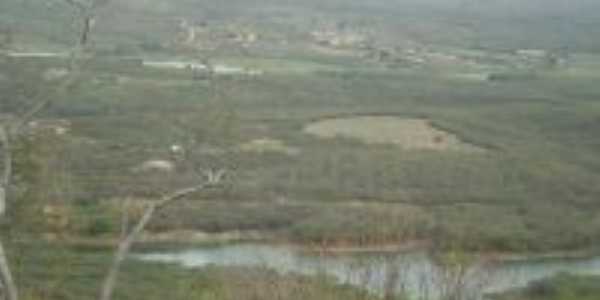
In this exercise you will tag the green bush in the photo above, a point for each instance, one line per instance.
(100, 226)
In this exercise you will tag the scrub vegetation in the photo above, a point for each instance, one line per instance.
(340, 123)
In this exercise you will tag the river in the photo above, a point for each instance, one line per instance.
(416, 273)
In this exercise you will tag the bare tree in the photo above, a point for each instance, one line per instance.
(86, 13)
(11, 130)
(213, 178)
(9, 289)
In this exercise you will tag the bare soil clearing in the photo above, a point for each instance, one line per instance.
(268, 145)
(408, 134)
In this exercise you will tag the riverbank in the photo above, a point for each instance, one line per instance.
(369, 271)
(188, 238)
(560, 287)
(61, 272)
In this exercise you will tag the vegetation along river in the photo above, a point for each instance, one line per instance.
(413, 272)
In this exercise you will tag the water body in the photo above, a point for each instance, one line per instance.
(416, 274)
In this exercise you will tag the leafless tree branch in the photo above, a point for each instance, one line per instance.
(17, 128)
(9, 289)
(128, 239)
(82, 8)
(86, 11)
(6, 158)
(7, 133)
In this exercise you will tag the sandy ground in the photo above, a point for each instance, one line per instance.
(408, 134)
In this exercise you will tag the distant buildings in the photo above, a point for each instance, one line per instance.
(542, 58)
(200, 35)
(336, 39)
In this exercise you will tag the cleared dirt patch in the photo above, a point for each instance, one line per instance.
(409, 134)
(266, 145)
